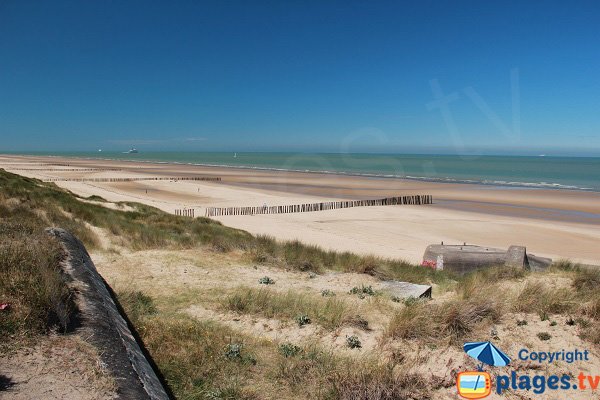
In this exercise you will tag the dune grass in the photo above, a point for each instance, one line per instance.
(451, 321)
(206, 360)
(149, 228)
(484, 296)
(537, 297)
(31, 283)
(299, 256)
(196, 357)
(329, 312)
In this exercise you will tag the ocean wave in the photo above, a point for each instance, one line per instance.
(498, 183)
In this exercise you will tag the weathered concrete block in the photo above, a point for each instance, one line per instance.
(405, 290)
(516, 256)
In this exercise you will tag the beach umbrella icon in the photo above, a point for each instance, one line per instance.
(487, 353)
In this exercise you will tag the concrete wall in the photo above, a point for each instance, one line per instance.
(107, 328)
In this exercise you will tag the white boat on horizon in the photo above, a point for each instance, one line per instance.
(133, 150)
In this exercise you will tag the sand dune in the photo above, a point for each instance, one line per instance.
(552, 223)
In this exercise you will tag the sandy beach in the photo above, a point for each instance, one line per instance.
(552, 223)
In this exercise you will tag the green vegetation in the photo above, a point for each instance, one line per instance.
(482, 300)
(299, 256)
(363, 290)
(330, 312)
(289, 350)
(544, 336)
(208, 360)
(149, 228)
(353, 342)
(537, 297)
(302, 320)
(265, 280)
(31, 283)
(138, 304)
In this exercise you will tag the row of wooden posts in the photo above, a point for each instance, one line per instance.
(28, 164)
(185, 212)
(67, 169)
(332, 205)
(185, 178)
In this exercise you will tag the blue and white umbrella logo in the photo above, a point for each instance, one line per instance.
(487, 353)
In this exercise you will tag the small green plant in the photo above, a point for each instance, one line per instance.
(353, 342)
(289, 350)
(363, 290)
(544, 316)
(411, 301)
(265, 280)
(233, 352)
(302, 320)
(544, 336)
(521, 322)
(396, 299)
(553, 323)
(327, 293)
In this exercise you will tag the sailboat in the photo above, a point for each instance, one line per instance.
(133, 150)
(234, 155)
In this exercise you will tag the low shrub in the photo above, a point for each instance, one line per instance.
(302, 320)
(353, 342)
(289, 350)
(363, 290)
(544, 336)
(265, 280)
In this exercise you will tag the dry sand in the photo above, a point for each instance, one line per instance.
(195, 281)
(56, 368)
(552, 223)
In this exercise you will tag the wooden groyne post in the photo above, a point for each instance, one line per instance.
(310, 207)
(160, 178)
(186, 212)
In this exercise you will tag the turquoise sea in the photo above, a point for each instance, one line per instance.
(582, 173)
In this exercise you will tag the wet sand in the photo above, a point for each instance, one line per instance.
(553, 223)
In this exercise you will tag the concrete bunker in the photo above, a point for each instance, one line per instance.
(465, 258)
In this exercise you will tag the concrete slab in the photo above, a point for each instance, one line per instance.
(404, 290)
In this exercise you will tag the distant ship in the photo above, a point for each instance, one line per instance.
(133, 150)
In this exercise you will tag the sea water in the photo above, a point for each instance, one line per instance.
(580, 173)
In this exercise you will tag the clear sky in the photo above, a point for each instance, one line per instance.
(491, 77)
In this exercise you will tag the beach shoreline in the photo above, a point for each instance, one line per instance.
(558, 223)
(446, 179)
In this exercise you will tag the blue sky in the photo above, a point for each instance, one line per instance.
(513, 77)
